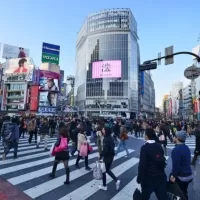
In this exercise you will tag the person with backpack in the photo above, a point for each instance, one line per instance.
(62, 154)
(11, 137)
(181, 159)
(151, 169)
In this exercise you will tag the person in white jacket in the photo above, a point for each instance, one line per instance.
(82, 139)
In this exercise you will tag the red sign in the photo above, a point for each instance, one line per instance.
(34, 98)
(195, 106)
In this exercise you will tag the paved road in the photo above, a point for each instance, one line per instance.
(30, 174)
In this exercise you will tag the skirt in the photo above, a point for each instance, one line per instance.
(61, 156)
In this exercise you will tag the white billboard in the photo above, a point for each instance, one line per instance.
(10, 52)
(50, 67)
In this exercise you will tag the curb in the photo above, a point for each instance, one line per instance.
(10, 192)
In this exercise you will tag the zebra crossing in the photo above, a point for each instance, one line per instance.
(190, 142)
(30, 173)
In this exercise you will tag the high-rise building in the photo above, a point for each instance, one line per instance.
(107, 59)
(147, 95)
(187, 101)
(176, 87)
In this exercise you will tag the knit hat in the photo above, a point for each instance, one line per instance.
(181, 135)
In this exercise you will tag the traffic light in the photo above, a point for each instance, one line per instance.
(148, 65)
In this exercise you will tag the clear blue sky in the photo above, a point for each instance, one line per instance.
(161, 23)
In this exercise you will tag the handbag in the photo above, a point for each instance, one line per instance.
(83, 150)
(103, 167)
(174, 192)
(52, 152)
(90, 149)
(38, 139)
(97, 172)
(63, 145)
(137, 195)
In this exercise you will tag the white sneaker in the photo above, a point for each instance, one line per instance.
(118, 184)
(101, 187)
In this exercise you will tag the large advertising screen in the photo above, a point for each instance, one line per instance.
(47, 102)
(21, 68)
(10, 52)
(49, 81)
(106, 69)
(48, 99)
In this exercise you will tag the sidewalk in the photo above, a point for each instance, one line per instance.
(10, 192)
(196, 182)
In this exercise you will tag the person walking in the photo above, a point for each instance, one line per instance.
(100, 138)
(151, 169)
(197, 144)
(43, 134)
(31, 129)
(123, 139)
(107, 155)
(62, 156)
(11, 138)
(181, 158)
(82, 139)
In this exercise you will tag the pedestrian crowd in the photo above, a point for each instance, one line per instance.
(108, 134)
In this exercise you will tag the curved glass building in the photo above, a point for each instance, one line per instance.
(107, 41)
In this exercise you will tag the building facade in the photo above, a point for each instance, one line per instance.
(176, 87)
(187, 102)
(147, 95)
(109, 35)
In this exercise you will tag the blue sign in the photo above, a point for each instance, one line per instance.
(47, 110)
(142, 83)
(50, 49)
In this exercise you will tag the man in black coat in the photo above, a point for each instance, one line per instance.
(197, 147)
(151, 169)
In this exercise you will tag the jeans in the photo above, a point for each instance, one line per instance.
(122, 143)
(74, 148)
(31, 133)
(45, 137)
(108, 163)
(10, 145)
(184, 186)
(155, 184)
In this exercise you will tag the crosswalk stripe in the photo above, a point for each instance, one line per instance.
(127, 191)
(57, 182)
(29, 164)
(41, 172)
(90, 188)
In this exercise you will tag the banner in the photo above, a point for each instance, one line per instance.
(19, 69)
(50, 53)
(34, 98)
(106, 69)
(49, 81)
(10, 52)
(62, 73)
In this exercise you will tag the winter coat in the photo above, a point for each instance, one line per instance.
(81, 140)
